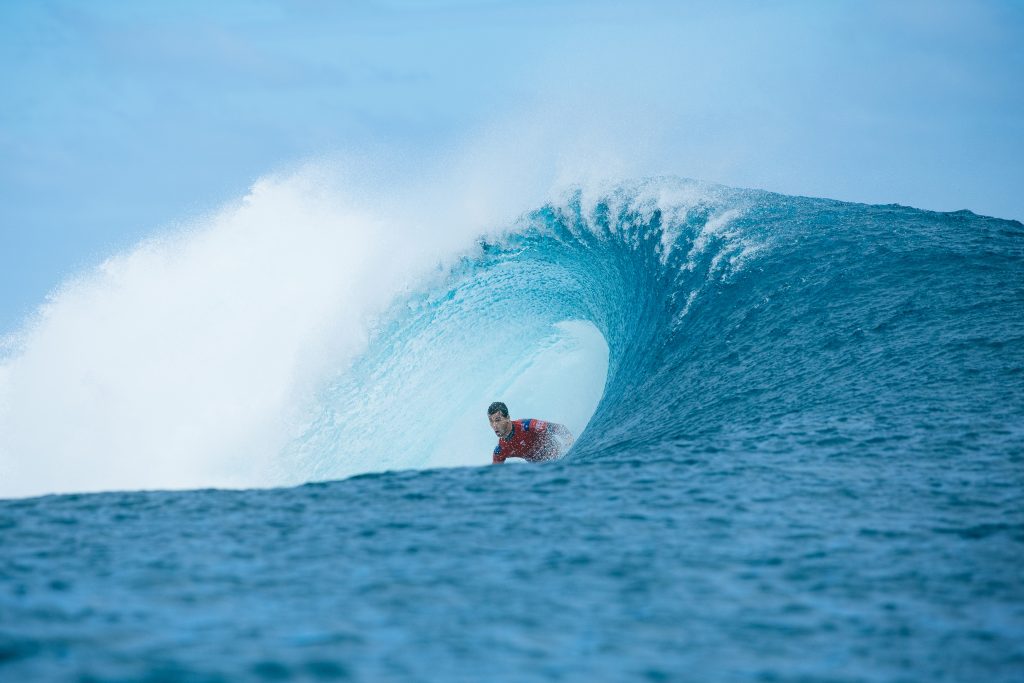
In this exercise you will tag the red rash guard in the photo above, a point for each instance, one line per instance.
(529, 439)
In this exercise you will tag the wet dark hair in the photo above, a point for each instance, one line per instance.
(497, 407)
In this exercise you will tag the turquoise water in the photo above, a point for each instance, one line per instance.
(805, 464)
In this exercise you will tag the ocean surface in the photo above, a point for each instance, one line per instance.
(800, 457)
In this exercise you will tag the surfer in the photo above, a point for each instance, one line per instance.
(529, 439)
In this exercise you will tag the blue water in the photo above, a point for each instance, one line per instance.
(806, 465)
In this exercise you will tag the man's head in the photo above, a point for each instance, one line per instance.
(497, 414)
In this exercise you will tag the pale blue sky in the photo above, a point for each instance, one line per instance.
(120, 118)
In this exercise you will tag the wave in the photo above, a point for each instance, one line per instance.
(301, 336)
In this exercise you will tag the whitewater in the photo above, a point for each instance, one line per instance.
(255, 446)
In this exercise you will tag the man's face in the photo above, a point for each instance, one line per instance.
(500, 424)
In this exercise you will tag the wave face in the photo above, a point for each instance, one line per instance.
(800, 458)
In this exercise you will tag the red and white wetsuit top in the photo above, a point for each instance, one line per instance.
(529, 439)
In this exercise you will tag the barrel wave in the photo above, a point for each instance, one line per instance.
(800, 433)
(735, 320)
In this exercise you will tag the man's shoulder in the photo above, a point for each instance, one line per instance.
(530, 424)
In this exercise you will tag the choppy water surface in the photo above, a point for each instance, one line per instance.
(806, 465)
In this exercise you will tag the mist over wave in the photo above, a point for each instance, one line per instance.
(179, 362)
(191, 359)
